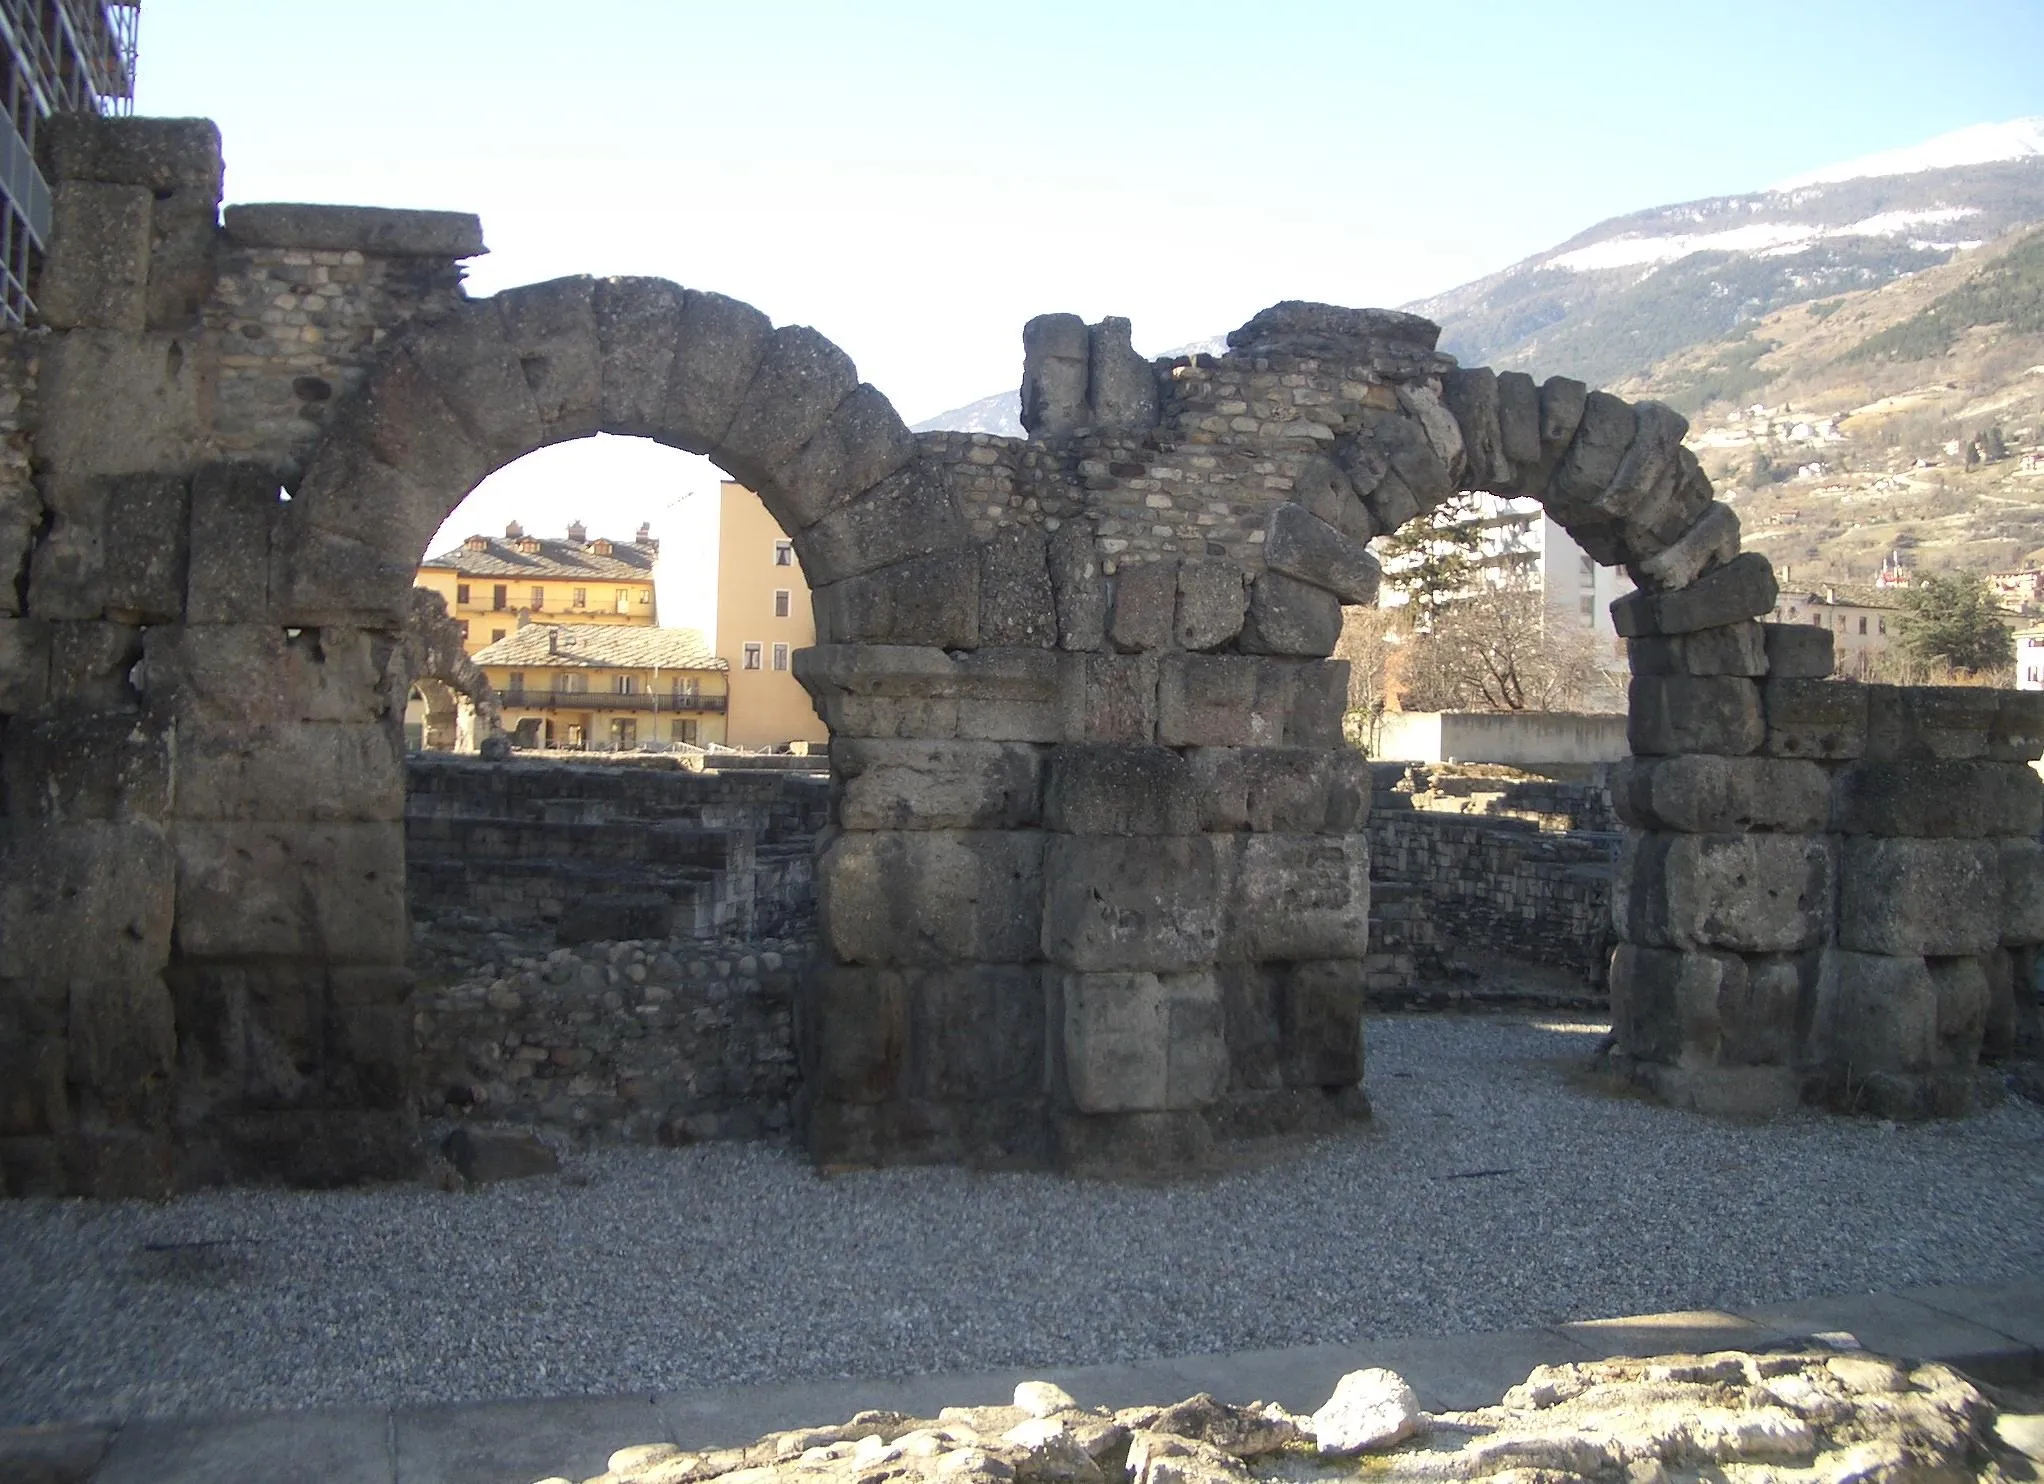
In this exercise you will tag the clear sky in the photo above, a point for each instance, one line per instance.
(918, 179)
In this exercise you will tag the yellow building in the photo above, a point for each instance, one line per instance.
(763, 617)
(492, 585)
(607, 689)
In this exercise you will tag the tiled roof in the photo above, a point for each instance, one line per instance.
(502, 558)
(1843, 596)
(601, 646)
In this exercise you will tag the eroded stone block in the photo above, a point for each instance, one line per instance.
(1121, 789)
(1290, 790)
(1743, 893)
(1301, 545)
(1145, 606)
(1703, 795)
(1873, 1012)
(1936, 897)
(284, 890)
(1142, 1041)
(1300, 897)
(1825, 719)
(895, 898)
(1797, 651)
(1694, 713)
(1222, 700)
(1930, 721)
(1742, 588)
(977, 1033)
(1938, 799)
(908, 514)
(930, 600)
(1290, 617)
(1148, 903)
(937, 785)
(1078, 586)
(852, 1032)
(1212, 603)
(96, 273)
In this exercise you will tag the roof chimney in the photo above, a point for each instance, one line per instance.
(513, 531)
(645, 536)
(577, 532)
(553, 641)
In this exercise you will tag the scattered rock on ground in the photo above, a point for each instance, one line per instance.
(1371, 1408)
(484, 1155)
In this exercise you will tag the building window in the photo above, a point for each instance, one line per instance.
(751, 661)
(624, 600)
(1862, 625)
(461, 595)
(462, 624)
(780, 656)
(500, 597)
(784, 553)
(684, 688)
(538, 599)
(514, 684)
(684, 731)
(1884, 625)
(625, 685)
(496, 636)
(570, 682)
(581, 598)
(780, 602)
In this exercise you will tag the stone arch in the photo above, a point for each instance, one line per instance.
(454, 398)
(445, 676)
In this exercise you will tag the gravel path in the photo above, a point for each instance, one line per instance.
(1493, 1191)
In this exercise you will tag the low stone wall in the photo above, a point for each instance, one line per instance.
(596, 851)
(662, 1041)
(1519, 738)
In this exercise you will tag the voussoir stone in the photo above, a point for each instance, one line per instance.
(1301, 545)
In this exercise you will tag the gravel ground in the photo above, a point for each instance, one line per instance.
(1495, 1189)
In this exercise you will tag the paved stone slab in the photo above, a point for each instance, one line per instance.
(2012, 1309)
(1694, 1331)
(492, 1442)
(351, 1447)
(1910, 1330)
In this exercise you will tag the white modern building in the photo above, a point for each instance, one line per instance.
(2029, 659)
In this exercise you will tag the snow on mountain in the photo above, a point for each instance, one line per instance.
(1766, 238)
(1980, 144)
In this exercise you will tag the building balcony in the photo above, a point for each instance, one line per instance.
(603, 700)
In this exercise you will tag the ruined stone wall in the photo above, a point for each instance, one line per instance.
(668, 1042)
(537, 845)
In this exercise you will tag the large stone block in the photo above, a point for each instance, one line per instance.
(1472, 396)
(1212, 602)
(1694, 713)
(2017, 735)
(2022, 885)
(1735, 649)
(1742, 588)
(1324, 488)
(1121, 386)
(1289, 790)
(24, 664)
(1145, 606)
(1745, 893)
(184, 254)
(1701, 1009)
(976, 1033)
(551, 329)
(93, 665)
(1300, 897)
(228, 575)
(1016, 604)
(1700, 794)
(896, 898)
(1136, 1042)
(1301, 545)
(1320, 1024)
(471, 361)
(164, 154)
(1078, 586)
(86, 902)
(1518, 412)
(1290, 617)
(384, 231)
(800, 381)
(1825, 719)
(122, 1038)
(1110, 697)
(1121, 903)
(34, 1099)
(920, 785)
(1873, 1012)
(1711, 541)
(933, 600)
(397, 457)
(1120, 789)
(329, 772)
(1798, 651)
(321, 577)
(1930, 721)
(1963, 999)
(96, 273)
(1602, 436)
(908, 514)
(1056, 355)
(852, 1033)
(250, 673)
(144, 545)
(1316, 704)
(862, 442)
(1222, 700)
(63, 765)
(1937, 897)
(1938, 799)
(722, 345)
(282, 890)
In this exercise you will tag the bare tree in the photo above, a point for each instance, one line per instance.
(1498, 650)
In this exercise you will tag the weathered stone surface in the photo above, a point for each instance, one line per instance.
(164, 154)
(2022, 884)
(1130, 904)
(1294, 790)
(908, 514)
(638, 325)
(1873, 1012)
(801, 381)
(1711, 541)
(147, 522)
(1941, 897)
(1117, 789)
(1400, 443)
(85, 902)
(288, 890)
(937, 785)
(1586, 471)
(1560, 414)
(1212, 602)
(1141, 1041)
(329, 772)
(1320, 1024)
(68, 764)
(484, 1156)
(1016, 603)
(1704, 1009)
(1056, 360)
(1316, 700)
(154, 379)
(1746, 893)
(471, 362)
(370, 229)
(976, 1033)
(1078, 586)
(862, 442)
(1929, 721)
(1518, 404)
(851, 1033)
(1797, 651)
(933, 600)
(722, 344)
(1641, 495)
(1815, 718)
(894, 898)
(1692, 713)
(1443, 434)
(1121, 387)
(1370, 1409)
(1300, 897)
(1109, 697)
(1324, 489)
(1735, 649)
(1938, 799)
(1299, 327)
(1701, 794)
(1290, 617)
(259, 673)
(92, 665)
(1222, 700)
(1472, 396)
(24, 664)
(96, 273)
(1145, 606)
(1301, 545)
(1742, 588)
(551, 329)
